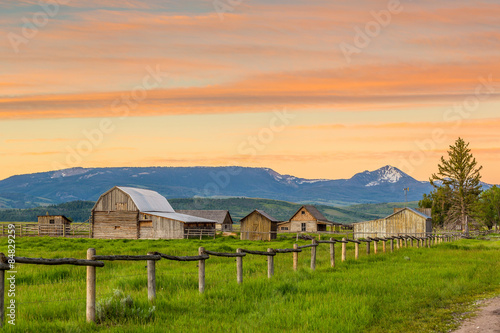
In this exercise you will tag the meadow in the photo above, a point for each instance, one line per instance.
(410, 290)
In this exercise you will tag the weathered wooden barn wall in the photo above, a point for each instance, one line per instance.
(257, 227)
(56, 219)
(53, 225)
(115, 225)
(375, 228)
(115, 200)
(307, 218)
(166, 228)
(407, 222)
(404, 222)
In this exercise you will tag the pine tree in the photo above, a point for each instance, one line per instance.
(460, 173)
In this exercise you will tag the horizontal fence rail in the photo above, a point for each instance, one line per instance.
(73, 230)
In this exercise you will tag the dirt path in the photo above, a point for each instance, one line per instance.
(487, 319)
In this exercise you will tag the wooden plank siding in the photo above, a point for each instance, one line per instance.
(258, 227)
(115, 200)
(164, 228)
(116, 216)
(303, 216)
(404, 222)
(115, 225)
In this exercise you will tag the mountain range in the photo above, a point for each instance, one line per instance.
(383, 185)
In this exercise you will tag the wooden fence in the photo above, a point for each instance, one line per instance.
(74, 230)
(94, 260)
(190, 233)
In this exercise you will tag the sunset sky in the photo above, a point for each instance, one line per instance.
(316, 89)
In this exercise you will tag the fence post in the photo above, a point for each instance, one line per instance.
(201, 271)
(383, 245)
(313, 255)
(392, 244)
(356, 251)
(270, 264)
(295, 257)
(406, 241)
(332, 253)
(375, 247)
(398, 243)
(151, 278)
(411, 242)
(239, 268)
(344, 249)
(2, 296)
(91, 280)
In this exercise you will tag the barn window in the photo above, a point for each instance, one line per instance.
(303, 212)
(303, 227)
(284, 228)
(52, 221)
(121, 206)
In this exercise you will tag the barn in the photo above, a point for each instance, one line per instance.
(258, 225)
(222, 217)
(134, 213)
(53, 225)
(307, 219)
(406, 221)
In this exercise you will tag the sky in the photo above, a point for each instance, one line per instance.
(315, 89)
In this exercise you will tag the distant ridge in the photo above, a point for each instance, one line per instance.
(383, 185)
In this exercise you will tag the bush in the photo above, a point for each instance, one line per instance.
(120, 307)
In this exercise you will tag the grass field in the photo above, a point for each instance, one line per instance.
(410, 290)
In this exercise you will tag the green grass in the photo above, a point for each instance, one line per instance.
(377, 293)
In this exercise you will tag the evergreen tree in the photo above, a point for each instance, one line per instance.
(461, 174)
(487, 209)
(438, 201)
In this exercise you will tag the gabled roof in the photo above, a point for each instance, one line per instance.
(147, 200)
(64, 217)
(217, 215)
(181, 217)
(263, 213)
(316, 214)
(425, 216)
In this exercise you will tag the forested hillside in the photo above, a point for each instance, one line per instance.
(79, 211)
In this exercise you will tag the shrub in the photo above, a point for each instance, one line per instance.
(120, 307)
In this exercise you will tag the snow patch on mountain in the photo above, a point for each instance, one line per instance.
(387, 174)
(292, 180)
(68, 172)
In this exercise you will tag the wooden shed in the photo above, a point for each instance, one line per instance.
(258, 225)
(307, 219)
(133, 213)
(53, 225)
(222, 217)
(406, 221)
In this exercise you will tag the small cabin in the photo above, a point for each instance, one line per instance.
(53, 225)
(258, 225)
(308, 219)
(134, 213)
(406, 221)
(221, 217)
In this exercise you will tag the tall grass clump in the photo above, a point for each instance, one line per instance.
(119, 308)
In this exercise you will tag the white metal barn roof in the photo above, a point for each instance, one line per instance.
(181, 217)
(147, 200)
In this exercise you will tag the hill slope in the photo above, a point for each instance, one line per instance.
(383, 185)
